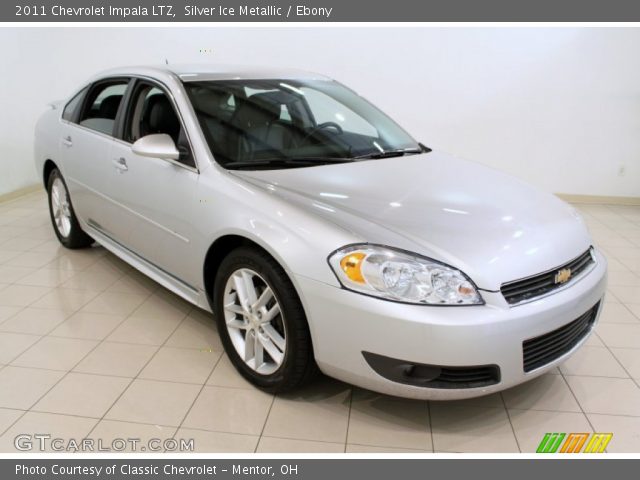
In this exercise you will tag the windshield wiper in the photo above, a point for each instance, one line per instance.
(398, 152)
(287, 162)
(390, 153)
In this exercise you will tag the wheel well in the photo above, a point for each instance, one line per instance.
(48, 168)
(217, 252)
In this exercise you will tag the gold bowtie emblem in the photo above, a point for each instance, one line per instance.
(563, 275)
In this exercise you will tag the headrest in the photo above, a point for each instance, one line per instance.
(258, 110)
(162, 118)
(209, 101)
(109, 106)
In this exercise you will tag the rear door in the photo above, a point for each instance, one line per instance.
(87, 139)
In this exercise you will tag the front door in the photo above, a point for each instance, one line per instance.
(156, 195)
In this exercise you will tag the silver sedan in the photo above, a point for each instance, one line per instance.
(320, 234)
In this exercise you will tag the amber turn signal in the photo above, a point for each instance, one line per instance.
(351, 266)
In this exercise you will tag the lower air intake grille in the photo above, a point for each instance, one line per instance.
(544, 349)
(466, 377)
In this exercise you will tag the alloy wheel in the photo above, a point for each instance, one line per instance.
(60, 207)
(254, 321)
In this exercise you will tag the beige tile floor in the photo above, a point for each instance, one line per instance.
(90, 347)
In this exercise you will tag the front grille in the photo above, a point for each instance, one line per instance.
(538, 285)
(432, 376)
(544, 349)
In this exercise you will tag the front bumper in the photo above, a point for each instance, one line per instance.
(345, 324)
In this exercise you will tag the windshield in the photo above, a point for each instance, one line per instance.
(283, 123)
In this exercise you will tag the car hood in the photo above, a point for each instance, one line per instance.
(492, 226)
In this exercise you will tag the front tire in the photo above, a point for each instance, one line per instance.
(261, 322)
(63, 218)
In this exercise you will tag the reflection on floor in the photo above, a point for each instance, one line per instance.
(91, 348)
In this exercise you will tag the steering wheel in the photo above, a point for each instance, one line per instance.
(322, 126)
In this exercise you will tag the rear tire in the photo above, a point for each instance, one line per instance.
(63, 218)
(261, 322)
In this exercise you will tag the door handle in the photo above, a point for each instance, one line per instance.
(121, 164)
(67, 141)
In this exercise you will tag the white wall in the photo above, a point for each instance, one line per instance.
(559, 107)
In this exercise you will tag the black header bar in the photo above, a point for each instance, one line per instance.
(319, 11)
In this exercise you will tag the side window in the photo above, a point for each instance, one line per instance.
(284, 113)
(101, 106)
(72, 106)
(152, 112)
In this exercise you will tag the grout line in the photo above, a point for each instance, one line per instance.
(618, 323)
(53, 386)
(408, 450)
(568, 411)
(303, 439)
(9, 363)
(433, 443)
(49, 290)
(71, 369)
(24, 412)
(226, 387)
(188, 428)
(11, 316)
(596, 376)
(120, 342)
(577, 401)
(346, 435)
(106, 412)
(634, 380)
(195, 399)
(513, 429)
(264, 425)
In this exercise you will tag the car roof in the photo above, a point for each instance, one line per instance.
(204, 72)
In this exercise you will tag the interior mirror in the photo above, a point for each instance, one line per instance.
(158, 145)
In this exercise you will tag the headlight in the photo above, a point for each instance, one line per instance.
(400, 276)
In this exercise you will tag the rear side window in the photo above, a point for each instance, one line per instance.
(101, 106)
(72, 106)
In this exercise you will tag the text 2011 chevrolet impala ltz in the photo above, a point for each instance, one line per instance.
(319, 233)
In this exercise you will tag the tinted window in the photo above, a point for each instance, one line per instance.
(152, 112)
(70, 109)
(275, 122)
(101, 107)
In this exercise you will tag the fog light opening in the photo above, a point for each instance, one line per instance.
(421, 373)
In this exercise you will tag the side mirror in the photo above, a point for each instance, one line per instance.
(158, 145)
